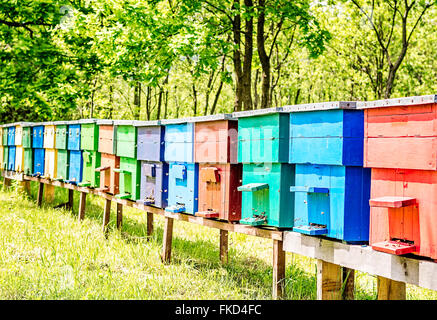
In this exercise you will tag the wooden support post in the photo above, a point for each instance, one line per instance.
(70, 202)
(49, 193)
(278, 269)
(390, 289)
(82, 204)
(224, 246)
(40, 194)
(167, 240)
(149, 225)
(329, 281)
(6, 183)
(106, 216)
(25, 186)
(348, 283)
(119, 215)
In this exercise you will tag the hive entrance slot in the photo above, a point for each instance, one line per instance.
(208, 214)
(397, 247)
(180, 207)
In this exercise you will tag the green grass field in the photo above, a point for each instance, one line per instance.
(47, 253)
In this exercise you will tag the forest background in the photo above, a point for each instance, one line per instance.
(158, 59)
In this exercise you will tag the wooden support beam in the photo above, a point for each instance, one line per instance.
(6, 183)
(329, 281)
(167, 240)
(106, 216)
(278, 269)
(224, 236)
(119, 215)
(82, 205)
(348, 278)
(390, 289)
(49, 193)
(149, 225)
(40, 194)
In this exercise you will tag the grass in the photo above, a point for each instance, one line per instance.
(48, 254)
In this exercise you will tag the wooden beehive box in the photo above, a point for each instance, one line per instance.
(126, 136)
(89, 141)
(109, 179)
(179, 140)
(154, 183)
(75, 168)
(61, 134)
(5, 157)
(11, 135)
(129, 179)
(38, 161)
(107, 136)
(11, 158)
(215, 139)
(183, 187)
(263, 136)
(37, 136)
(150, 140)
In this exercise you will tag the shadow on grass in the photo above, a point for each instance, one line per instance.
(252, 275)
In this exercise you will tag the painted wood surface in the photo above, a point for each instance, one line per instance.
(154, 183)
(129, 178)
(409, 132)
(332, 137)
(38, 161)
(61, 133)
(49, 137)
(50, 163)
(89, 137)
(62, 167)
(19, 159)
(127, 141)
(73, 140)
(263, 138)
(38, 137)
(336, 197)
(11, 158)
(11, 136)
(91, 161)
(18, 135)
(413, 224)
(27, 137)
(216, 142)
(75, 169)
(274, 202)
(151, 143)
(183, 187)
(1, 156)
(179, 142)
(109, 179)
(107, 139)
(218, 194)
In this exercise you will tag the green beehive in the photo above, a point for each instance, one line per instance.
(5, 155)
(27, 146)
(5, 136)
(61, 135)
(130, 168)
(62, 165)
(89, 141)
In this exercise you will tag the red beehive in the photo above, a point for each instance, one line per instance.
(215, 148)
(218, 194)
(401, 147)
(109, 179)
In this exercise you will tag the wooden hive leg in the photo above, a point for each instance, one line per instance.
(149, 225)
(106, 216)
(6, 183)
(49, 193)
(224, 243)
(278, 269)
(167, 240)
(119, 215)
(69, 205)
(390, 289)
(82, 205)
(40, 194)
(329, 281)
(348, 283)
(25, 186)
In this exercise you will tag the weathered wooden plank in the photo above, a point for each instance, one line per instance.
(278, 269)
(40, 194)
(82, 205)
(391, 290)
(49, 193)
(224, 244)
(416, 271)
(348, 284)
(329, 281)
(167, 240)
(70, 200)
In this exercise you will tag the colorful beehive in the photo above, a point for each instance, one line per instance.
(11, 148)
(400, 147)
(215, 149)
(38, 150)
(130, 169)
(154, 172)
(75, 162)
(1, 147)
(89, 142)
(61, 141)
(267, 175)
(23, 156)
(109, 161)
(331, 188)
(51, 153)
(183, 172)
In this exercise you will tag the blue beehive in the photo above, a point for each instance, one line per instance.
(267, 175)
(183, 172)
(332, 189)
(11, 158)
(75, 160)
(154, 172)
(183, 187)
(11, 136)
(38, 151)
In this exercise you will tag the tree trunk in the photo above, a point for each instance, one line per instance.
(248, 57)
(137, 100)
(263, 57)
(236, 30)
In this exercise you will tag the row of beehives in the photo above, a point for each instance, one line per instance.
(305, 167)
